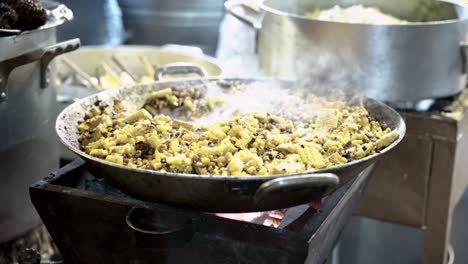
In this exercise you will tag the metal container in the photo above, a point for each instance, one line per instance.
(27, 108)
(95, 23)
(228, 194)
(90, 58)
(392, 63)
(185, 22)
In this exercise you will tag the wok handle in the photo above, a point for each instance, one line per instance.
(156, 229)
(297, 183)
(180, 68)
(245, 12)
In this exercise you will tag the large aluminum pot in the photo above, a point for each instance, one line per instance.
(392, 63)
(28, 149)
(95, 23)
(184, 22)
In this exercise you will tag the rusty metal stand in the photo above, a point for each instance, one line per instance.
(445, 189)
(420, 182)
(88, 219)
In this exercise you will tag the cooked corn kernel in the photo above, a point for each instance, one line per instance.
(245, 144)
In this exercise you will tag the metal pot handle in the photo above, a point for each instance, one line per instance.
(464, 54)
(191, 50)
(294, 184)
(244, 12)
(45, 55)
(180, 68)
(154, 229)
(53, 51)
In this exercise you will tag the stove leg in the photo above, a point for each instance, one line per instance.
(336, 254)
(439, 206)
(436, 240)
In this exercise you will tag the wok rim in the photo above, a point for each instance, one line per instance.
(58, 127)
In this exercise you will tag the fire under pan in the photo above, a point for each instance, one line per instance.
(91, 221)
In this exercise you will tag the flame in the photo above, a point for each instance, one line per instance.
(244, 217)
(272, 218)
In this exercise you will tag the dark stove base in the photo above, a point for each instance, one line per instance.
(90, 221)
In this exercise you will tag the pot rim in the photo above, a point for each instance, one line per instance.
(58, 14)
(459, 3)
(148, 48)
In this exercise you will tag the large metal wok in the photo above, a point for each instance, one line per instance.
(216, 193)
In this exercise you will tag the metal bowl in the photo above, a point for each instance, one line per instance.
(89, 58)
(227, 194)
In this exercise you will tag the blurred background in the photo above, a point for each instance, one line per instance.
(146, 22)
(202, 27)
(205, 24)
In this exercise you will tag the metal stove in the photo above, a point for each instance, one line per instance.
(92, 221)
(420, 182)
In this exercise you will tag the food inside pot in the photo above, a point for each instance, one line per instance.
(298, 133)
(355, 14)
(22, 14)
(424, 11)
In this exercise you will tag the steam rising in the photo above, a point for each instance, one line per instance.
(274, 98)
(260, 97)
(320, 74)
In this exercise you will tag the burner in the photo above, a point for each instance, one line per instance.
(445, 104)
(419, 106)
(92, 221)
(271, 219)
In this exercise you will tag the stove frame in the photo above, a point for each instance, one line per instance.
(420, 182)
(89, 226)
